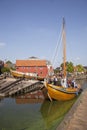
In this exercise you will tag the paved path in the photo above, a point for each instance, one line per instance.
(76, 119)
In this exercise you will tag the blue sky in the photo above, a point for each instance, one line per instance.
(32, 28)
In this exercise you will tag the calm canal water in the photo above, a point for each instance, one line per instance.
(26, 114)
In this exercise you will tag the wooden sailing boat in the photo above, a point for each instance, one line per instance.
(18, 74)
(62, 92)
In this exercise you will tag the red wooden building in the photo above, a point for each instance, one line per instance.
(34, 65)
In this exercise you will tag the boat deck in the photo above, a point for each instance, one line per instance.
(76, 119)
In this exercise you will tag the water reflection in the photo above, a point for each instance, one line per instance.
(33, 97)
(26, 113)
(53, 112)
(27, 101)
(31, 114)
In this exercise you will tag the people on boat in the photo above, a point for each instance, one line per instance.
(55, 80)
(64, 82)
(69, 83)
(73, 84)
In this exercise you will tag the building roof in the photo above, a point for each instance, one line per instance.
(31, 62)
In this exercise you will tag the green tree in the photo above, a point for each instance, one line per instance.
(5, 69)
(57, 70)
(8, 62)
(69, 67)
(10, 65)
(80, 68)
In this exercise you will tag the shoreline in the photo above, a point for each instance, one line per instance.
(76, 118)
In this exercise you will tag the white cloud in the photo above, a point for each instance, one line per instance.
(78, 58)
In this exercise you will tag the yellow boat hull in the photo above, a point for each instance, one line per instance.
(25, 75)
(60, 93)
(16, 74)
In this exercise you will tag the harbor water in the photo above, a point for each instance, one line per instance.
(31, 114)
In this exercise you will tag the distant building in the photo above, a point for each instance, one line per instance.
(34, 65)
(85, 67)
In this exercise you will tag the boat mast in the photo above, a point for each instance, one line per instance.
(64, 48)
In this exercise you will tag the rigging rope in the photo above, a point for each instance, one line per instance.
(53, 61)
